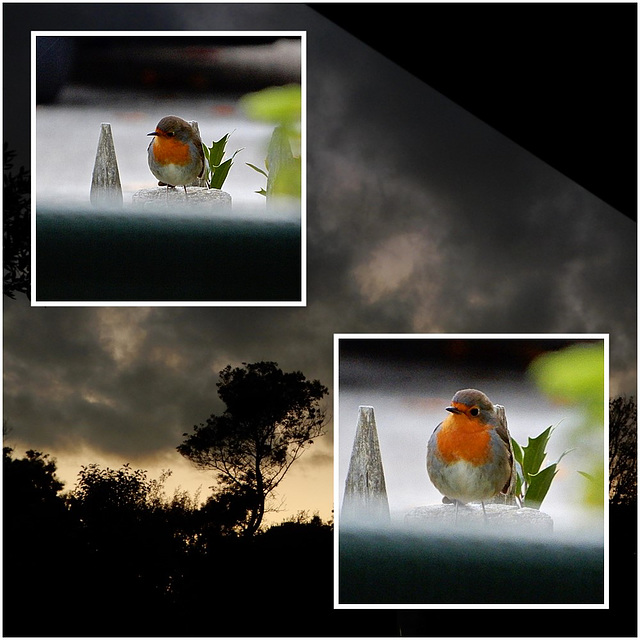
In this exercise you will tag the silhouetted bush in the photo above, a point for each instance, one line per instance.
(38, 538)
(16, 228)
(116, 557)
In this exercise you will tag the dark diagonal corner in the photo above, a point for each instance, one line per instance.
(559, 80)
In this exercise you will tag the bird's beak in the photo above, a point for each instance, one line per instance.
(453, 410)
(153, 133)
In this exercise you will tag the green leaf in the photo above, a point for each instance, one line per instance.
(517, 451)
(216, 152)
(287, 182)
(220, 174)
(564, 453)
(534, 454)
(284, 167)
(539, 486)
(262, 171)
(217, 170)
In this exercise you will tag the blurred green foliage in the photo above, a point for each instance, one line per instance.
(575, 376)
(282, 107)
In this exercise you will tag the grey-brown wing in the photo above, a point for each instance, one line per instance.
(503, 431)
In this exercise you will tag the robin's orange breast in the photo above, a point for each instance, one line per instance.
(462, 439)
(171, 151)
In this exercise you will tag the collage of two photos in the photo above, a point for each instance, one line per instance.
(313, 350)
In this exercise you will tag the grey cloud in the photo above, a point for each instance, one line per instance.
(138, 398)
(509, 244)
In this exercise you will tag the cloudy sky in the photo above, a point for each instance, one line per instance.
(421, 218)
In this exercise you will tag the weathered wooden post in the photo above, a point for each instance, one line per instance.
(365, 496)
(106, 191)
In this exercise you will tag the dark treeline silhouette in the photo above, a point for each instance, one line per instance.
(16, 219)
(117, 557)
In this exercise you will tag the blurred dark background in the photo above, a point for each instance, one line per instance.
(511, 353)
(170, 63)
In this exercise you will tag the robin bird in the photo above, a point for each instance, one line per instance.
(469, 455)
(175, 153)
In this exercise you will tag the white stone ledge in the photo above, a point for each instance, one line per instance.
(200, 197)
(498, 517)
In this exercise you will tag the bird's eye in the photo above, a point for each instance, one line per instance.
(171, 133)
(474, 411)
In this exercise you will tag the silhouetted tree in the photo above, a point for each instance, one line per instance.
(100, 493)
(133, 539)
(38, 536)
(270, 419)
(227, 512)
(30, 482)
(31, 497)
(623, 451)
(16, 228)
